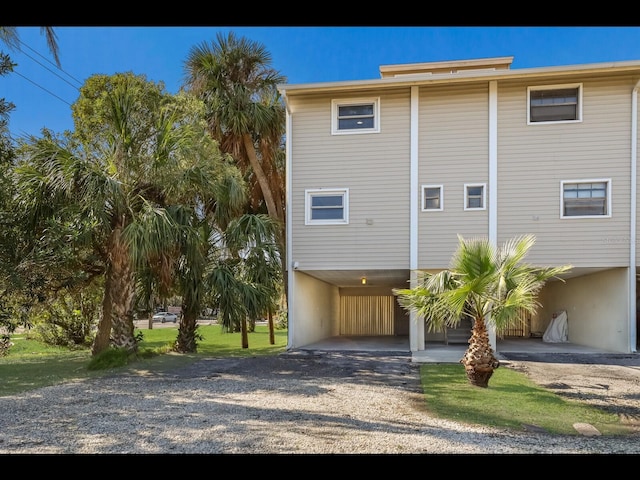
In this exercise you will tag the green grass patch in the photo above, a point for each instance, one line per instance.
(511, 401)
(31, 364)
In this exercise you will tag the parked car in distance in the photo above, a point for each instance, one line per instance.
(165, 317)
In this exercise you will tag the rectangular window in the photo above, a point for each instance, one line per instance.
(554, 103)
(586, 198)
(474, 196)
(432, 197)
(326, 206)
(359, 115)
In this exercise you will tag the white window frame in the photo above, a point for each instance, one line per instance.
(467, 186)
(309, 194)
(336, 103)
(608, 194)
(555, 87)
(424, 198)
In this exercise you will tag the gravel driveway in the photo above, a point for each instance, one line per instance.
(293, 403)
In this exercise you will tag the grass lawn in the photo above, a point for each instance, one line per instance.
(31, 364)
(511, 401)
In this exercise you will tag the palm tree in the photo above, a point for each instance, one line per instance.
(246, 116)
(490, 286)
(11, 38)
(133, 151)
(244, 275)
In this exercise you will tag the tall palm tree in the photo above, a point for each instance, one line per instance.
(489, 285)
(245, 115)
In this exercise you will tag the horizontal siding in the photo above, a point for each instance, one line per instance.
(375, 169)
(453, 148)
(534, 159)
(453, 151)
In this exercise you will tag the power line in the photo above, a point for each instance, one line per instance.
(41, 87)
(49, 61)
(75, 87)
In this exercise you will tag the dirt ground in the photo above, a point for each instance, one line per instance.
(611, 382)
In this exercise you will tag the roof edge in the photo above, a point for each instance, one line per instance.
(458, 77)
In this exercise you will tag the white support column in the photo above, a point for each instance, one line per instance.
(493, 178)
(633, 220)
(416, 325)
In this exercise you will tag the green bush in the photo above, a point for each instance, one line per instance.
(110, 358)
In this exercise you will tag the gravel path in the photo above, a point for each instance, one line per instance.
(293, 403)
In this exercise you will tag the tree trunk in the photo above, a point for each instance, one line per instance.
(103, 335)
(151, 312)
(479, 361)
(116, 325)
(272, 337)
(245, 336)
(187, 332)
(262, 179)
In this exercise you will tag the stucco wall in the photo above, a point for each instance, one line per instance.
(316, 310)
(596, 306)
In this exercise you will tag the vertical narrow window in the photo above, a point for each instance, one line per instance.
(474, 196)
(326, 207)
(432, 198)
(586, 198)
(360, 115)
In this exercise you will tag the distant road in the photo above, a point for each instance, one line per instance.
(144, 324)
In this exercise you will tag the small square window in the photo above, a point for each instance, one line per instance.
(585, 198)
(432, 198)
(554, 103)
(474, 196)
(358, 115)
(326, 206)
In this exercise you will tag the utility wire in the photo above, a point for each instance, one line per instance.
(50, 62)
(41, 87)
(48, 69)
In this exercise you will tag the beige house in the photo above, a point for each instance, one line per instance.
(383, 175)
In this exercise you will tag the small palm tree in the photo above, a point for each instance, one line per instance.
(490, 286)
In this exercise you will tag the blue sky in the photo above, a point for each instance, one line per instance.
(43, 93)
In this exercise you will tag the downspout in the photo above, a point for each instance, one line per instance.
(633, 219)
(416, 322)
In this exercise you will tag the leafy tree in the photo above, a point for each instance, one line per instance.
(134, 150)
(489, 285)
(245, 114)
(21, 283)
(70, 318)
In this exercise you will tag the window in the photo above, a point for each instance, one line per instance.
(355, 116)
(326, 206)
(555, 103)
(586, 198)
(474, 196)
(432, 198)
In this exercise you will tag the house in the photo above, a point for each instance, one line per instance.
(383, 175)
